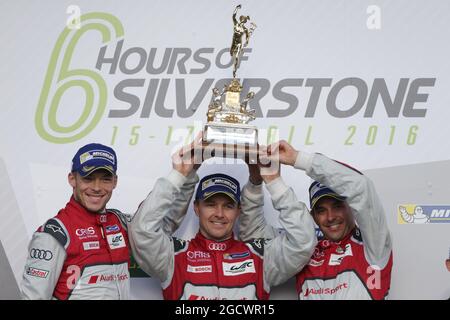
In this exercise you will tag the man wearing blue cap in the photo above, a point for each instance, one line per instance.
(83, 252)
(353, 258)
(214, 265)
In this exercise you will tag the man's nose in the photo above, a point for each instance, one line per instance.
(219, 211)
(96, 184)
(331, 215)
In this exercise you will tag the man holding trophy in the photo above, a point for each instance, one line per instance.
(214, 265)
(353, 258)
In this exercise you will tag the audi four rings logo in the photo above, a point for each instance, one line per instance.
(46, 255)
(217, 246)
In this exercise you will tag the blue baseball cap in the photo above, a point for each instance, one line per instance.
(92, 157)
(218, 183)
(318, 191)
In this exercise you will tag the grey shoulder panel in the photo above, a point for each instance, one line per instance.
(257, 245)
(357, 235)
(57, 230)
(124, 218)
(179, 245)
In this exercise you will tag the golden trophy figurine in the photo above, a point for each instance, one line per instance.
(239, 30)
(227, 129)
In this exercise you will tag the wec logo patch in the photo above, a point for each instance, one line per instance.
(238, 268)
(116, 240)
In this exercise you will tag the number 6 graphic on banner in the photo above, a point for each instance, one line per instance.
(58, 82)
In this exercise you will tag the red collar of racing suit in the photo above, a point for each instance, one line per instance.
(213, 245)
(325, 244)
(75, 208)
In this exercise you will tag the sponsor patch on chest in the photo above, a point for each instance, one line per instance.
(113, 228)
(116, 240)
(336, 259)
(237, 255)
(199, 269)
(315, 263)
(238, 268)
(91, 245)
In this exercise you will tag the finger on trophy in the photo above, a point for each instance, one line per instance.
(263, 157)
(190, 148)
(273, 149)
(197, 149)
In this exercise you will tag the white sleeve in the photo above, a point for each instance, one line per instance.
(181, 200)
(362, 198)
(252, 223)
(180, 203)
(151, 246)
(289, 252)
(43, 266)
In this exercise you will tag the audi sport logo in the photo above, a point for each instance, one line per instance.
(40, 254)
(217, 246)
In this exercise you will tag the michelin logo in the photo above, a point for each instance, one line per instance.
(421, 214)
(97, 154)
(219, 181)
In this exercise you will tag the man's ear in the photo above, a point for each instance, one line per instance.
(71, 178)
(196, 208)
(313, 215)
(116, 178)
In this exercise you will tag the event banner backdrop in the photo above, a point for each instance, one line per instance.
(363, 82)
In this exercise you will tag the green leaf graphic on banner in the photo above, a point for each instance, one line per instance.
(58, 81)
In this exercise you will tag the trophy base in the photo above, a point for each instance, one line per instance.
(231, 141)
(246, 153)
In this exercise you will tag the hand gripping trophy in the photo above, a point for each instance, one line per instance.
(227, 129)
